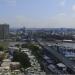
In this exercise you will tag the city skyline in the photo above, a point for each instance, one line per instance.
(38, 13)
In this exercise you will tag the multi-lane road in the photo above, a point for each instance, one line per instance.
(58, 56)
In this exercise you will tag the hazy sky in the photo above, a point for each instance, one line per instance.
(38, 13)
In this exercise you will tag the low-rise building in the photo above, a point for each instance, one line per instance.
(2, 55)
(12, 49)
(6, 62)
(15, 65)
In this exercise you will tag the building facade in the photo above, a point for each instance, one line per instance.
(4, 31)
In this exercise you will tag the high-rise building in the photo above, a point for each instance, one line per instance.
(4, 31)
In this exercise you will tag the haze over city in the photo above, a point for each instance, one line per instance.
(37, 37)
(38, 13)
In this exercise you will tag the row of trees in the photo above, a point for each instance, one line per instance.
(36, 51)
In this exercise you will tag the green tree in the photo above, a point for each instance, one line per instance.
(17, 45)
(22, 58)
(1, 48)
(24, 45)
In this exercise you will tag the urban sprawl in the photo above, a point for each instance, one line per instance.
(37, 51)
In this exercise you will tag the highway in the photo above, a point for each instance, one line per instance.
(60, 57)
